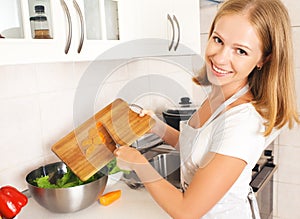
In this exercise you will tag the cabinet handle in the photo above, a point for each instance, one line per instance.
(173, 33)
(178, 28)
(81, 25)
(69, 34)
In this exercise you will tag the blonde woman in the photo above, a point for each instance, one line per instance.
(249, 67)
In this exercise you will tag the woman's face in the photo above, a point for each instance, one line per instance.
(233, 50)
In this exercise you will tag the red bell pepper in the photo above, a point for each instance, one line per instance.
(11, 201)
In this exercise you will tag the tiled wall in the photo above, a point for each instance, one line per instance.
(287, 178)
(37, 102)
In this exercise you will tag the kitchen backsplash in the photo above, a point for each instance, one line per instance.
(37, 102)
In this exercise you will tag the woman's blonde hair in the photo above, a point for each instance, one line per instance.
(273, 85)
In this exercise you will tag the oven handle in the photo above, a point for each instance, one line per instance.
(258, 183)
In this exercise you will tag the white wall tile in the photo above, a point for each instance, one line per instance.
(288, 201)
(203, 38)
(290, 137)
(56, 116)
(16, 174)
(21, 139)
(114, 70)
(17, 80)
(296, 42)
(288, 164)
(137, 68)
(297, 85)
(108, 93)
(163, 66)
(56, 76)
(207, 15)
(293, 8)
(275, 197)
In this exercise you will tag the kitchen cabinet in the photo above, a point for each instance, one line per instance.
(80, 30)
(172, 21)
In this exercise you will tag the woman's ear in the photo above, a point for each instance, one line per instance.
(261, 63)
(267, 59)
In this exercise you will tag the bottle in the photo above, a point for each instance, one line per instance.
(40, 23)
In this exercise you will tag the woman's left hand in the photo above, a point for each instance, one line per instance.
(129, 158)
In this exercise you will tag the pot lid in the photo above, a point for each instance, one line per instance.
(185, 107)
(179, 112)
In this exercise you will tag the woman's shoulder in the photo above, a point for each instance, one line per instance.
(242, 118)
(244, 110)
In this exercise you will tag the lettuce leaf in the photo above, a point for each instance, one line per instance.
(69, 179)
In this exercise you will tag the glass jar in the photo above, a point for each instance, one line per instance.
(39, 23)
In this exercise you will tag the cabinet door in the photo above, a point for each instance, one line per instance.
(11, 13)
(80, 31)
(96, 27)
(162, 19)
(143, 19)
(146, 19)
(187, 13)
(26, 49)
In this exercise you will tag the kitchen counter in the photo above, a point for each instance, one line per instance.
(132, 204)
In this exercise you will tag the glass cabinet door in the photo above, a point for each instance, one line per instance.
(101, 19)
(11, 25)
(40, 18)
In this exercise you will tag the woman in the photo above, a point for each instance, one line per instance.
(248, 64)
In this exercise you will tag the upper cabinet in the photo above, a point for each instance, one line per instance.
(177, 22)
(82, 30)
(61, 30)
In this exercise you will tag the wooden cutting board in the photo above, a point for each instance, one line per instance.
(88, 148)
(123, 124)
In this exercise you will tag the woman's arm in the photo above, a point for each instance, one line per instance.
(208, 186)
(167, 133)
(163, 130)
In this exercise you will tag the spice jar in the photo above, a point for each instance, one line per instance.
(40, 24)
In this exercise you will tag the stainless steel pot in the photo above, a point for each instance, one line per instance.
(183, 112)
(65, 200)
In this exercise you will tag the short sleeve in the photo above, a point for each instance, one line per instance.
(239, 133)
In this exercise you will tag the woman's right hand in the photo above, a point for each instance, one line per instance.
(159, 127)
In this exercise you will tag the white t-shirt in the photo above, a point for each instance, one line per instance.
(238, 132)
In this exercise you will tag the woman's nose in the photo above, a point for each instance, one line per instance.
(222, 56)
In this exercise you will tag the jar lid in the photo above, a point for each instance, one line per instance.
(39, 8)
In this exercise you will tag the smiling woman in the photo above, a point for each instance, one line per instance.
(248, 65)
(233, 50)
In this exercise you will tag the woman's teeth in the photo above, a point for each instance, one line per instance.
(220, 70)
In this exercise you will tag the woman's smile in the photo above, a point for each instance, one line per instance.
(219, 72)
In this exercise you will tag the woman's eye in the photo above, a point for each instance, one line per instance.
(217, 39)
(241, 52)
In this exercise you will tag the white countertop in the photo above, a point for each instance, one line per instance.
(132, 204)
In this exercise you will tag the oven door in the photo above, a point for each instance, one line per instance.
(262, 185)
